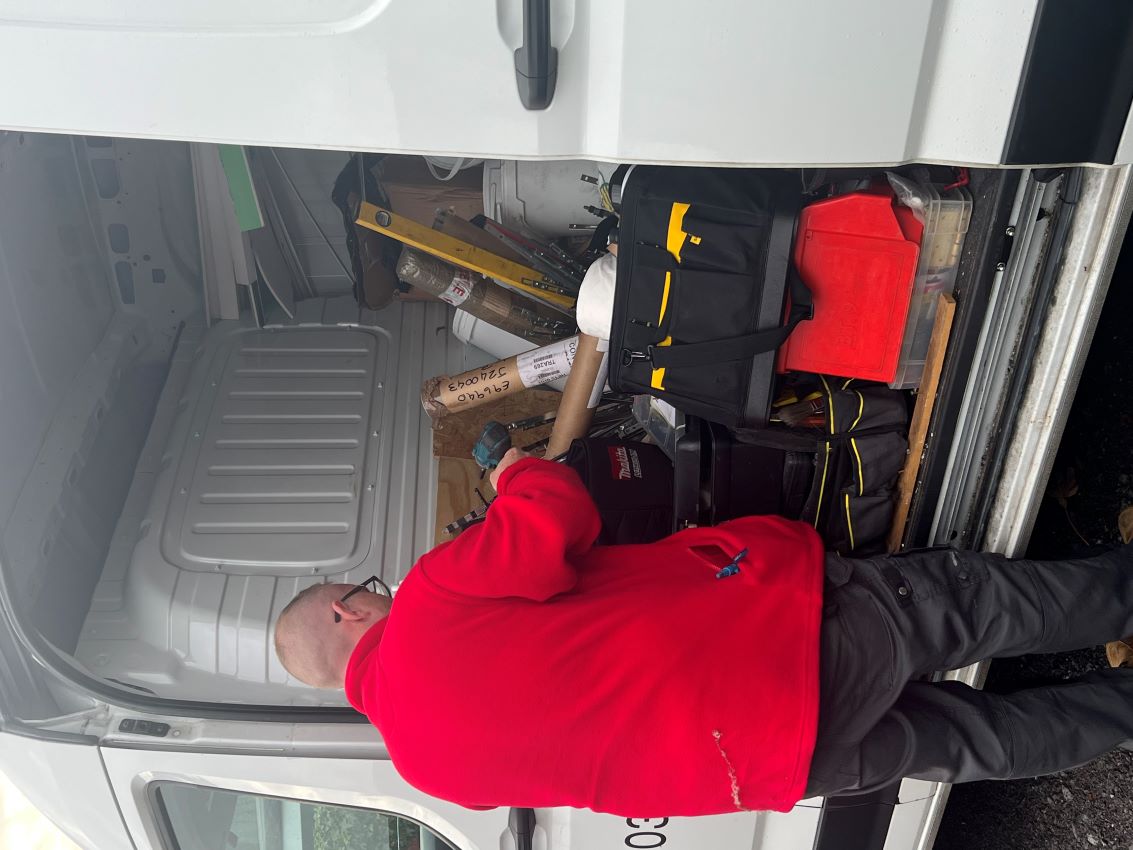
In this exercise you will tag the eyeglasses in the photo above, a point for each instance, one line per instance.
(366, 585)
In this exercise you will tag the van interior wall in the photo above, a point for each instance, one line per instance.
(100, 267)
(300, 182)
(100, 272)
(180, 501)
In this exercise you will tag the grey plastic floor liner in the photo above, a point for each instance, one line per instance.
(276, 459)
(276, 470)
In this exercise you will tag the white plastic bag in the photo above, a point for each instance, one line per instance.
(436, 164)
(594, 311)
(909, 194)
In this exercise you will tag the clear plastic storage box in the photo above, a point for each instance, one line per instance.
(661, 421)
(947, 216)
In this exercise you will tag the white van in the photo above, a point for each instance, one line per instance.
(173, 469)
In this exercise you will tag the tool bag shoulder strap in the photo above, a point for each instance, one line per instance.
(714, 351)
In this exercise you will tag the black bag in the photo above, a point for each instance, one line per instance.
(703, 269)
(373, 256)
(857, 458)
(631, 484)
(719, 477)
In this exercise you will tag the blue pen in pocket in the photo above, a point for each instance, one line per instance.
(734, 566)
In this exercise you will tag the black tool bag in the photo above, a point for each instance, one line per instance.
(857, 458)
(860, 456)
(719, 477)
(703, 270)
(631, 484)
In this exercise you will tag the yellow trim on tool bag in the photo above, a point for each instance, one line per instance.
(675, 239)
(854, 443)
(664, 298)
(826, 457)
(656, 380)
(674, 242)
(861, 409)
(849, 522)
(822, 485)
(861, 477)
(830, 396)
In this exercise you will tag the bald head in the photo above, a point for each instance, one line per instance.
(314, 648)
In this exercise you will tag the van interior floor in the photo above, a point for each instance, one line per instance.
(277, 457)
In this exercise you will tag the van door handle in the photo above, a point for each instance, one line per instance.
(521, 825)
(536, 61)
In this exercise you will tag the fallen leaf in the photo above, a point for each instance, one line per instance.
(1065, 487)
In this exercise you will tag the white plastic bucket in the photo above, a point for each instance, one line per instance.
(549, 198)
(487, 337)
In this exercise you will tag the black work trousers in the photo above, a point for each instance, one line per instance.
(888, 621)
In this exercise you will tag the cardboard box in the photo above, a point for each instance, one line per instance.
(416, 194)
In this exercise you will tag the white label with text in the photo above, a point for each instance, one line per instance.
(548, 363)
(459, 290)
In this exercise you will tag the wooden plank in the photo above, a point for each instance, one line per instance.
(460, 228)
(922, 416)
(457, 481)
(459, 252)
(455, 434)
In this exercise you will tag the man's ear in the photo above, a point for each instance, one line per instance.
(344, 610)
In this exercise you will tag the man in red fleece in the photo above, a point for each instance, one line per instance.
(521, 665)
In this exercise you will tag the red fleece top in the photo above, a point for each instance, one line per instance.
(521, 665)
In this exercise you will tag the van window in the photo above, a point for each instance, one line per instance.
(197, 817)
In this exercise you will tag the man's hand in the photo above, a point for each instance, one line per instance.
(507, 460)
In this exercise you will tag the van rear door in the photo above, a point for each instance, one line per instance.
(193, 798)
(641, 80)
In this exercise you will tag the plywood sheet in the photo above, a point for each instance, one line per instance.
(455, 434)
(457, 481)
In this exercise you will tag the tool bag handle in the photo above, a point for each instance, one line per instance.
(729, 348)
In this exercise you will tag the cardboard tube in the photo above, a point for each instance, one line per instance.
(485, 299)
(445, 394)
(580, 395)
